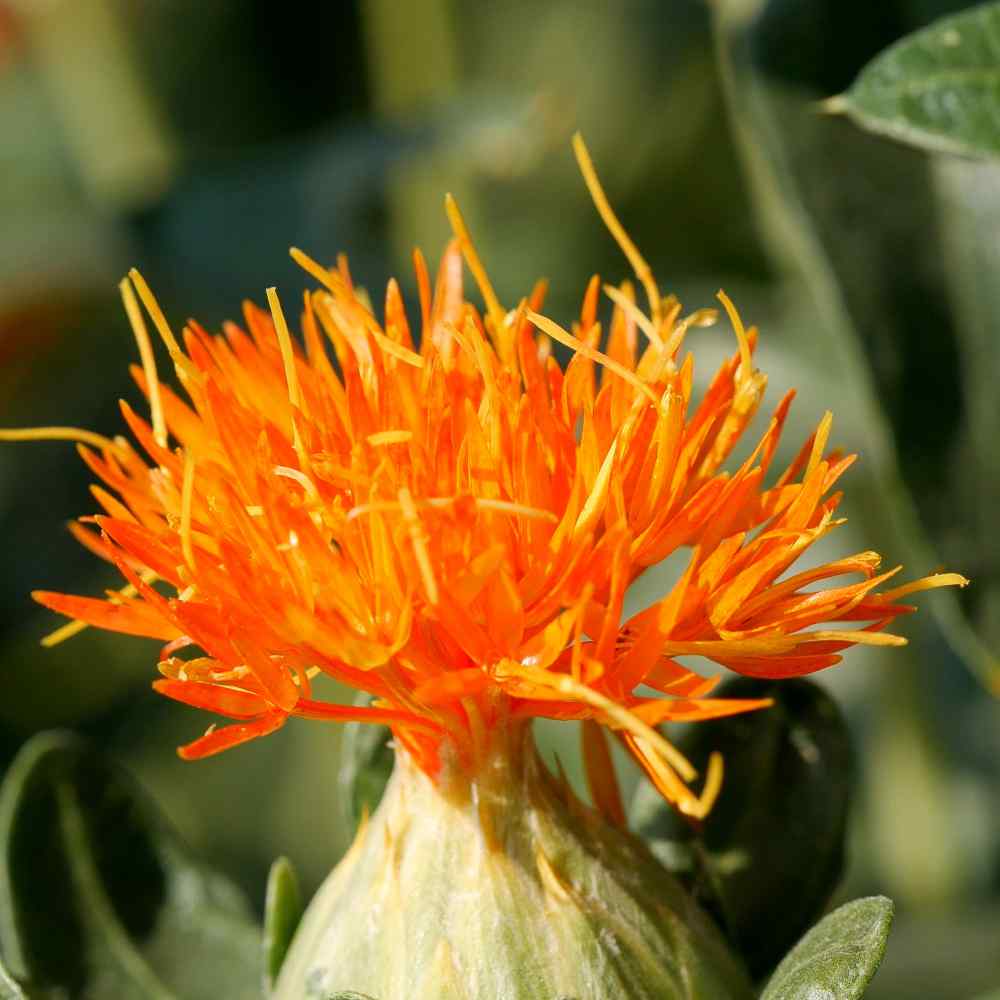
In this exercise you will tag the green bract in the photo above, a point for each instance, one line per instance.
(503, 887)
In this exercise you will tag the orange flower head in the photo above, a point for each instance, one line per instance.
(449, 520)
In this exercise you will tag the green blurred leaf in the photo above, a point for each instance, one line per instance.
(349, 996)
(838, 957)
(938, 88)
(9, 988)
(282, 913)
(98, 897)
(792, 191)
(771, 851)
(366, 761)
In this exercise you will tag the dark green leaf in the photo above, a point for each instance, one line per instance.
(99, 898)
(771, 851)
(838, 957)
(365, 765)
(282, 912)
(938, 88)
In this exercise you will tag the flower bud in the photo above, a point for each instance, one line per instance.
(502, 886)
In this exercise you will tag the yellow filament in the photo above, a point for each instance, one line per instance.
(323, 275)
(927, 583)
(775, 645)
(187, 497)
(521, 510)
(556, 332)
(397, 350)
(300, 477)
(820, 438)
(291, 376)
(390, 437)
(419, 544)
(741, 334)
(285, 345)
(73, 628)
(148, 359)
(76, 434)
(159, 320)
(644, 323)
(713, 785)
(63, 633)
(493, 307)
(598, 493)
(617, 230)
(436, 503)
(621, 717)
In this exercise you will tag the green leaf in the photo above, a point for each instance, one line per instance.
(366, 761)
(9, 987)
(99, 898)
(838, 957)
(938, 88)
(282, 913)
(771, 851)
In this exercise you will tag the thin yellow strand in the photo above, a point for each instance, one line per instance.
(74, 434)
(73, 628)
(620, 716)
(926, 583)
(285, 345)
(389, 437)
(419, 543)
(820, 439)
(617, 230)
(291, 375)
(187, 498)
(147, 358)
(300, 477)
(322, 274)
(404, 354)
(746, 363)
(627, 306)
(556, 332)
(63, 633)
(156, 314)
(494, 309)
(517, 509)
(713, 784)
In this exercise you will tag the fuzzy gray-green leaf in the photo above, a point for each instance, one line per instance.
(838, 957)
(98, 898)
(938, 88)
(282, 912)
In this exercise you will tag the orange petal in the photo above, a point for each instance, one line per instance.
(229, 701)
(217, 740)
(132, 618)
(326, 712)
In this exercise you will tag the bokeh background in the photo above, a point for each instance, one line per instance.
(198, 141)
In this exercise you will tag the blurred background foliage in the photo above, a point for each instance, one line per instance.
(198, 141)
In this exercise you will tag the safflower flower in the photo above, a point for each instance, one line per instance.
(449, 520)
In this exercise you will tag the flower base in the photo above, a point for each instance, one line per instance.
(503, 887)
